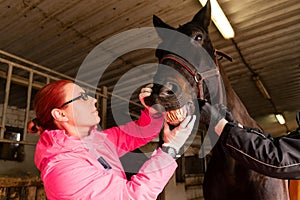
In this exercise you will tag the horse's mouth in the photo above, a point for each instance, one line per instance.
(175, 117)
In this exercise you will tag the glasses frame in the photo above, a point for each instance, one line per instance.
(83, 95)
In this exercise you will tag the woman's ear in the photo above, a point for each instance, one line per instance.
(59, 115)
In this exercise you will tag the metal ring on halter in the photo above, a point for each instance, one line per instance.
(197, 77)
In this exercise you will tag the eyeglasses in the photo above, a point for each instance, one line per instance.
(84, 96)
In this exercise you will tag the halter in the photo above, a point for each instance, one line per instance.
(199, 77)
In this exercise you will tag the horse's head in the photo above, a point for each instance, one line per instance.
(196, 29)
(180, 84)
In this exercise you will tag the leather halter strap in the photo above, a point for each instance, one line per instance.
(189, 68)
(199, 77)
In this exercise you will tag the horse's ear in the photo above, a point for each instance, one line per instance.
(157, 22)
(203, 17)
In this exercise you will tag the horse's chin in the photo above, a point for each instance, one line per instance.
(175, 117)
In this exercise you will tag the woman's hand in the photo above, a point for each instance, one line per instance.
(177, 137)
(145, 92)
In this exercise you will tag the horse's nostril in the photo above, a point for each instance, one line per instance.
(170, 89)
(170, 92)
(166, 92)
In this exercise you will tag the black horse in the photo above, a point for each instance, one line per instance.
(179, 87)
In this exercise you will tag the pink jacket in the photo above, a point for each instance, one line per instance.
(70, 168)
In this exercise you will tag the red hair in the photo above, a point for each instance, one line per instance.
(49, 97)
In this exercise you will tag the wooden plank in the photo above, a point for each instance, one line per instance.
(14, 193)
(3, 192)
(20, 182)
(31, 193)
(193, 179)
(40, 194)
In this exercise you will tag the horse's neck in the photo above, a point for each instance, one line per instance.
(234, 103)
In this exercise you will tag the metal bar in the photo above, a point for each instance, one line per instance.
(35, 65)
(124, 99)
(104, 108)
(17, 65)
(55, 78)
(17, 142)
(49, 75)
(6, 98)
(29, 90)
(21, 81)
(43, 68)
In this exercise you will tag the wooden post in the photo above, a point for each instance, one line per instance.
(104, 107)
(40, 194)
(29, 90)
(31, 193)
(3, 191)
(294, 189)
(6, 98)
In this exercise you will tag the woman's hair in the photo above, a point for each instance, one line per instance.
(49, 97)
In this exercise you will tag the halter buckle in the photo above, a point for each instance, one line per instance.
(197, 77)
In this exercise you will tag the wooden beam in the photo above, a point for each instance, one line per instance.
(20, 181)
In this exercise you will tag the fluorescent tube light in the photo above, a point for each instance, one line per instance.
(280, 118)
(219, 19)
(261, 87)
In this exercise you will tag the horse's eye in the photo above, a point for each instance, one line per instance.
(198, 37)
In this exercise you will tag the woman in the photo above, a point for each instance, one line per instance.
(276, 157)
(77, 161)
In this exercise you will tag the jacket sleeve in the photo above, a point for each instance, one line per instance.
(135, 134)
(275, 157)
(79, 179)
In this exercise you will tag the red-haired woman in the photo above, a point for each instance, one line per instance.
(77, 161)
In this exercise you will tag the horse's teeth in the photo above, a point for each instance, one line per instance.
(172, 117)
(175, 116)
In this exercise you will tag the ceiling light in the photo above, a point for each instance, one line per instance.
(280, 118)
(219, 19)
(261, 87)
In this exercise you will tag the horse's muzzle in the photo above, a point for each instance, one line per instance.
(175, 117)
(176, 110)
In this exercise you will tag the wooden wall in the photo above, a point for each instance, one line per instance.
(30, 188)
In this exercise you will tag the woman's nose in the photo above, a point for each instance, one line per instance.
(93, 99)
